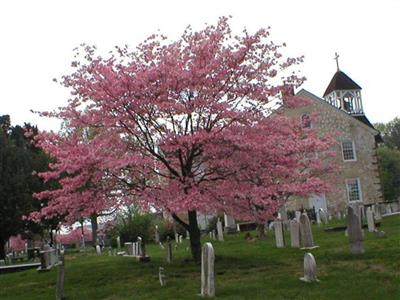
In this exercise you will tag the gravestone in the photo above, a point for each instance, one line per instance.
(298, 215)
(60, 278)
(48, 259)
(176, 237)
(230, 224)
(370, 220)
(339, 215)
(98, 250)
(129, 248)
(139, 249)
(161, 276)
(310, 268)
(169, 250)
(207, 271)
(180, 239)
(157, 234)
(354, 232)
(318, 217)
(294, 234)
(323, 216)
(306, 236)
(187, 235)
(279, 237)
(213, 235)
(161, 245)
(220, 231)
(118, 242)
(238, 227)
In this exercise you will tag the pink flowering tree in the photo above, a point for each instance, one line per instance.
(87, 185)
(187, 126)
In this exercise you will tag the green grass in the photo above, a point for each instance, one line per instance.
(244, 270)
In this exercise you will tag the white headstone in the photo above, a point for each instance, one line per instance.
(318, 217)
(162, 277)
(310, 268)
(98, 250)
(298, 214)
(370, 220)
(220, 231)
(207, 271)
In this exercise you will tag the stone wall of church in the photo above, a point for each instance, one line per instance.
(330, 120)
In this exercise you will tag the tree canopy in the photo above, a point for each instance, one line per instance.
(186, 126)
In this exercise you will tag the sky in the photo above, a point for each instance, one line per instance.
(37, 39)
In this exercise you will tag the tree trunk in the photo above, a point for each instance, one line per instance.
(2, 249)
(93, 220)
(195, 243)
(194, 232)
(261, 231)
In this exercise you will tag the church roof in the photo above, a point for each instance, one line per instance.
(340, 81)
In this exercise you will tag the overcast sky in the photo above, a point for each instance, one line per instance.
(37, 38)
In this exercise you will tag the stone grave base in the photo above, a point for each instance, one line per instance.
(306, 280)
(309, 248)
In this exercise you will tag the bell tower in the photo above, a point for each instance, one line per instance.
(343, 93)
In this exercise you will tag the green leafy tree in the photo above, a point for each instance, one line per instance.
(19, 160)
(390, 172)
(389, 158)
(390, 133)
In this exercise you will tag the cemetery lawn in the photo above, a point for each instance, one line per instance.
(244, 270)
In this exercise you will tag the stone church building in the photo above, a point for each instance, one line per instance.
(340, 111)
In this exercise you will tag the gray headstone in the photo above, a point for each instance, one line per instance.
(306, 236)
(187, 235)
(238, 227)
(207, 271)
(354, 232)
(157, 235)
(118, 242)
(310, 268)
(294, 234)
(230, 224)
(370, 220)
(129, 248)
(323, 215)
(279, 237)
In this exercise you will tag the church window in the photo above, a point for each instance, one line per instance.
(353, 189)
(348, 150)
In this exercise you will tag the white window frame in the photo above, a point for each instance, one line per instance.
(354, 150)
(359, 190)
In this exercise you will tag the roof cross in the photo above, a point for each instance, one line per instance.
(337, 60)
